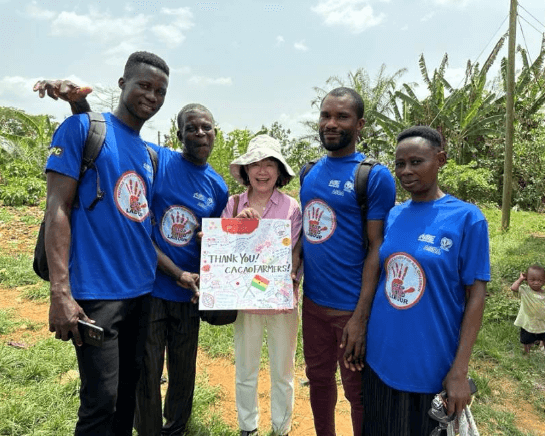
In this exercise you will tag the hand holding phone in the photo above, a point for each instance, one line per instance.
(90, 333)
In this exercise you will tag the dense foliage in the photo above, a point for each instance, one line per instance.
(471, 117)
(24, 141)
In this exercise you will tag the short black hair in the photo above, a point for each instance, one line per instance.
(431, 135)
(144, 57)
(192, 107)
(535, 267)
(283, 178)
(352, 93)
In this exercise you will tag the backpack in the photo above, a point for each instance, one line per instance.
(91, 150)
(360, 186)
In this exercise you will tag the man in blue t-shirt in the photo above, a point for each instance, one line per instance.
(102, 261)
(186, 190)
(340, 274)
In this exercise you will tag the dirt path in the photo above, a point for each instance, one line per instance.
(221, 372)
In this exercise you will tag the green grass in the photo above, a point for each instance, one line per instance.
(40, 292)
(16, 270)
(514, 250)
(204, 421)
(33, 401)
(7, 323)
(217, 341)
(498, 353)
(31, 220)
(5, 215)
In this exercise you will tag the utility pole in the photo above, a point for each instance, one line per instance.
(158, 138)
(509, 120)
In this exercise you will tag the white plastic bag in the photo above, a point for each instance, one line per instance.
(465, 425)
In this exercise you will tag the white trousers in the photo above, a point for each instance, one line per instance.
(281, 341)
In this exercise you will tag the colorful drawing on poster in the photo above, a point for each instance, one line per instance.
(246, 264)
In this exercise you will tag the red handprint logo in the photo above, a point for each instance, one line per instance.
(178, 225)
(398, 290)
(178, 230)
(405, 280)
(130, 196)
(319, 221)
(314, 215)
(135, 191)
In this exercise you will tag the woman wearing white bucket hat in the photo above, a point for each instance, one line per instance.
(263, 170)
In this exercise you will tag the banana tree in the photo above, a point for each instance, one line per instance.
(30, 135)
(465, 116)
(376, 94)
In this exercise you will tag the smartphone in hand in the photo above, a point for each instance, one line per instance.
(90, 333)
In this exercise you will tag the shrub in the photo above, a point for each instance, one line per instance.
(19, 191)
(23, 183)
(468, 182)
(18, 168)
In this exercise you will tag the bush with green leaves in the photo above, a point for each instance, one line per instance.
(468, 182)
(529, 167)
(23, 152)
(23, 183)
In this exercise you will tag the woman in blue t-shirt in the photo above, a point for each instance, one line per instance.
(428, 307)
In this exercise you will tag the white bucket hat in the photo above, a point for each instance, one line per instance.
(260, 147)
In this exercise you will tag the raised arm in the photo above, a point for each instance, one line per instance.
(355, 330)
(67, 91)
(515, 286)
(64, 311)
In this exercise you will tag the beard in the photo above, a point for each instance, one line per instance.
(344, 141)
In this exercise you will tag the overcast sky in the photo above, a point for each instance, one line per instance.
(250, 62)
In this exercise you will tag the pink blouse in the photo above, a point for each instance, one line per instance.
(279, 206)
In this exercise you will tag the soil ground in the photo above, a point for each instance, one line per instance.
(19, 237)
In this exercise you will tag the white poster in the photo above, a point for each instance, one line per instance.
(245, 264)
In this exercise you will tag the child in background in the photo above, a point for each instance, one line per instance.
(531, 317)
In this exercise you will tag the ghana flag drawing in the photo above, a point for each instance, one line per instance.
(259, 283)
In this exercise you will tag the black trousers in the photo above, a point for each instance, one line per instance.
(109, 374)
(389, 412)
(173, 326)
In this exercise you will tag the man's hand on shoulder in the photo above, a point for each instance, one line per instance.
(63, 89)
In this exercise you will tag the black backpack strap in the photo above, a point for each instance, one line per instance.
(91, 150)
(360, 186)
(305, 169)
(95, 139)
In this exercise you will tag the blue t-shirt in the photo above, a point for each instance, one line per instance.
(333, 252)
(431, 252)
(184, 193)
(111, 253)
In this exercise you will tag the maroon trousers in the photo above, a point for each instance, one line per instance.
(322, 333)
